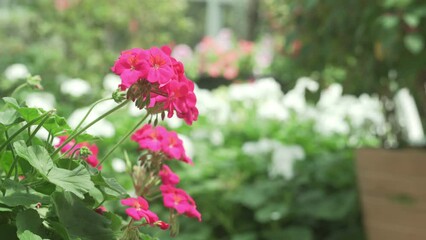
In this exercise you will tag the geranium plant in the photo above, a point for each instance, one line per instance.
(54, 188)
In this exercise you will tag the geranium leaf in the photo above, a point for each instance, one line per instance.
(27, 235)
(79, 220)
(36, 155)
(76, 181)
(8, 117)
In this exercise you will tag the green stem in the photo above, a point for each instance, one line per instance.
(88, 112)
(14, 160)
(39, 126)
(8, 140)
(72, 136)
(17, 89)
(122, 139)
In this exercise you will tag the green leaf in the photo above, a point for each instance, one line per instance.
(11, 101)
(297, 233)
(411, 20)
(30, 114)
(109, 186)
(27, 235)
(80, 221)
(116, 221)
(3, 209)
(29, 220)
(22, 199)
(76, 181)
(272, 212)
(414, 43)
(57, 125)
(6, 159)
(37, 156)
(59, 229)
(8, 117)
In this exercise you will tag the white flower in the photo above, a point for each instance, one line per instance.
(330, 96)
(75, 87)
(283, 159)
(111, 82)
(41, 100)
(307, 83)
(16, 71)
(118, 165)
(262, 146)
(272, 109)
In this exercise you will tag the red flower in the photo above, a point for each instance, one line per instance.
(179, 200)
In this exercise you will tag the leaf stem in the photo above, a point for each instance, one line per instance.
(39, 126)
(18, 88)
(122, 139)
(88, 112)
(20, 130)
(72, 136)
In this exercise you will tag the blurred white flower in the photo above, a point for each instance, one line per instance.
(283, 159)
(75, 87)
(330, 96)
(187, 145)
(118, 165)
(213, 106)
(103, 128)
(262, 146)
(260, 90)
(216, 137)
(16, 71)
(173, 122)
(41, 100)
(111, 82)
(306, 83)
(272, 109)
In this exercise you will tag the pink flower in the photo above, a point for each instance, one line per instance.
(72, 146)
(179, 200)
(149, 137)
(160, 70)
(100, 210)
(162, 225)
(158, 139)
(131, 66)
(168, 177)
(155, 77)
(68, 147)
(139, 209)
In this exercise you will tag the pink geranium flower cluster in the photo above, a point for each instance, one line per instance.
(166, 145)
(158, 139)
(223, 58)
(157, 81)
(72, 146)
(138, 209)
(176, 198)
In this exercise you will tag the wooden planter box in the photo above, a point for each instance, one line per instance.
(392, 185)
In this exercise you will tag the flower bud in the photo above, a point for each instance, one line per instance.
(35, 82)
(118, 96)
(85, 152)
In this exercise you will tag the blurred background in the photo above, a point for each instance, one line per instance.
(288, 90)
